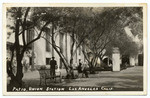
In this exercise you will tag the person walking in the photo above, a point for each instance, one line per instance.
(53, 64)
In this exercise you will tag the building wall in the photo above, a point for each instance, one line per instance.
(57, 58)
(39, 49)
(64, 42)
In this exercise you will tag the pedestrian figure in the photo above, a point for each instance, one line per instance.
(84, 70)
(25, 64)
(79, 68)
(9, 68)
(53, 64)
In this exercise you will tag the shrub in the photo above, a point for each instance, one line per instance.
(42, 67)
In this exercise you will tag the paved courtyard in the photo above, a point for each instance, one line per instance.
(128, 79)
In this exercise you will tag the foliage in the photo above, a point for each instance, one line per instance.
(43, 67)
(95, 30)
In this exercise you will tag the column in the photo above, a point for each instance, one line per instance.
(132, 60)
(136, 60)
(116, 59)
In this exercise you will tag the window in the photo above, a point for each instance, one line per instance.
(30, 62)
(60, 64)
(47, 61)
(61, 42)
(30, 36)
(79, 50)
(48, 40)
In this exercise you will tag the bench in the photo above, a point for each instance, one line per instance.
(45, 74)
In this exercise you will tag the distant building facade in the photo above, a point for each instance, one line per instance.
(44, 50)
(41, 51)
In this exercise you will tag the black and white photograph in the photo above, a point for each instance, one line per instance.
(74, 49)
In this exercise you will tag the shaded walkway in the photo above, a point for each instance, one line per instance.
(129, 79)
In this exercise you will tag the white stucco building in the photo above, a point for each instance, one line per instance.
(41, 51)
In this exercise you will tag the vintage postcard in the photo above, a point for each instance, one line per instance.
(74, 49)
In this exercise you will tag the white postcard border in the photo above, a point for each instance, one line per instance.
(144, 5)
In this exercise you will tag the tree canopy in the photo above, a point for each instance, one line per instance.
(97, 29)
